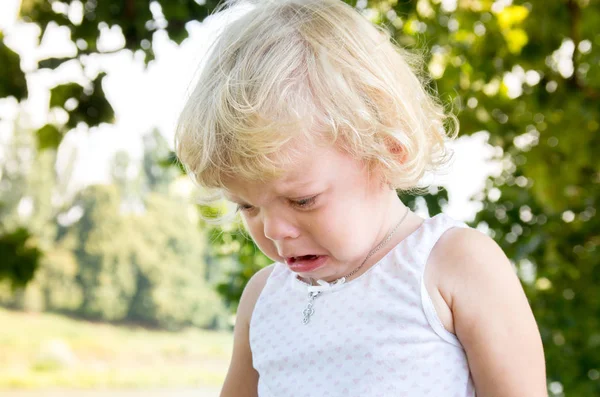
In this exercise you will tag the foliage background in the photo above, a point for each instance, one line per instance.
(527, 72)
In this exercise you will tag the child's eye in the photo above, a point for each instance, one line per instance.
(304, 203)
(244, 207)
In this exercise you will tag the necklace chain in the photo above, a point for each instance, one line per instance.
(374, 250)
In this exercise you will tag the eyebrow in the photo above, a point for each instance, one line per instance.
(294, 186)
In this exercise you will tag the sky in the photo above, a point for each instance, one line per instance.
(145, 98)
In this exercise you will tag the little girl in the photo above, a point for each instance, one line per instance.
(309, 119)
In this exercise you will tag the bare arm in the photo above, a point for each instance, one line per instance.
(242, 378)
(492, 317)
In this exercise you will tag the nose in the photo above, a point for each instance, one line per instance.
(277, 227)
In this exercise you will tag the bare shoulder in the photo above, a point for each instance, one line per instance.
(452, 250)
(242, 378)
(252, 291)
(467, 258)
(465, 241)
(491, 314)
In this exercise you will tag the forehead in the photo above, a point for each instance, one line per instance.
(305, 168)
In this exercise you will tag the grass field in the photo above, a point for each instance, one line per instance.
(171, 392)
(46, 351)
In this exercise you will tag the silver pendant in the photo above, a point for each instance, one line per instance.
(309, 310)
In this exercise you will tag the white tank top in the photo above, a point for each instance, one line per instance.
(376, 335)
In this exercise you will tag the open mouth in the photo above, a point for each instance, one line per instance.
(305, 263)
(302, 258)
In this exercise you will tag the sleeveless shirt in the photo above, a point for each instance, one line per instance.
(375, 335)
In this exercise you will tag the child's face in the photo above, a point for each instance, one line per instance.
(321, 217)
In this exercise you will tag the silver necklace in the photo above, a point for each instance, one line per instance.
(315, 291)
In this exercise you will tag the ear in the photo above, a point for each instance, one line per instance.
(395, 148)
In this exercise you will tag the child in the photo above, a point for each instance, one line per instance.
(309, 118)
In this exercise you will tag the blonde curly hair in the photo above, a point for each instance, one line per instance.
(310, 71)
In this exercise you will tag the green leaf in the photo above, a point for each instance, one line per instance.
(92, 107)
(53, 63)
(172, 161)
(60, 94)
(20, 258)
(12, 79)
(49, 137)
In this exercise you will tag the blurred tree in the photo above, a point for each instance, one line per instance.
(525, 72)
(168, 254)
(54, 287)
(20, 254)
(57, 280)
(169, 251)
(113, 261)
(87, 104)
(29, 202)
(106, 271)
(86, 21)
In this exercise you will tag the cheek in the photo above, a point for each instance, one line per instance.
(341, 230)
